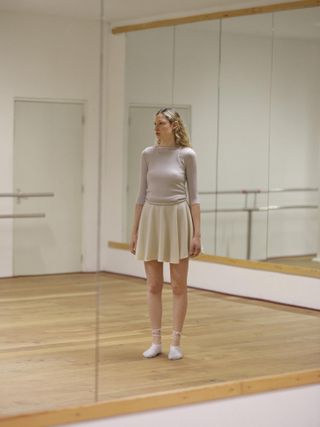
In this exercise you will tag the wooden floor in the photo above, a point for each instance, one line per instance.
(48, 341)
(297, 261)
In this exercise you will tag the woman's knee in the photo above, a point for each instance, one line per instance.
(155, 287)
(178, 288)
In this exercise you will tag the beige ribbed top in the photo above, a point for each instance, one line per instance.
(168, 175)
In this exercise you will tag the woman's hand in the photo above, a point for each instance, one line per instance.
(133, 243)
(195, 247)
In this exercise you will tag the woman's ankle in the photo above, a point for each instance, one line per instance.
(156, 336)
(176, 337)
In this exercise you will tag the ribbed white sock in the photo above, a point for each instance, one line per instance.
(175, 351)
(154, 349)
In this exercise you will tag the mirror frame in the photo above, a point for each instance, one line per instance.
(301, 4)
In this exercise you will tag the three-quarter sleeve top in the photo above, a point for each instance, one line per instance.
(168, 175)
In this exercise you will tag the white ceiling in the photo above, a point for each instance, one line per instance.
(126, 11)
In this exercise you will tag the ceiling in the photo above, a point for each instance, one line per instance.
(120, 12)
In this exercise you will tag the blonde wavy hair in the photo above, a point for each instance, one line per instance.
(180, 133)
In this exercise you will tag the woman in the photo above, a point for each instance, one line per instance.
(165, 228)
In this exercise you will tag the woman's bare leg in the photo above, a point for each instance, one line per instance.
(154, 273)
(179, 274)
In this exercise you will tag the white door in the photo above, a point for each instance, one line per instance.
(48, 158)
(141, 135)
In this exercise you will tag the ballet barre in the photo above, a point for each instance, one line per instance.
(19, 195)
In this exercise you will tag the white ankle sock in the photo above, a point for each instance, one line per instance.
(175, 352)
(155, 348)
(152, 351)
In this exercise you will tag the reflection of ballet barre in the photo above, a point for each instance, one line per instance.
(257, 191)
(25, 195)
(14, 216)
(261, 209)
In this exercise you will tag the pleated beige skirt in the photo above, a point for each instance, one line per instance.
(165, 232)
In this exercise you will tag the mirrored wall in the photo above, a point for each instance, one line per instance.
(248, 91)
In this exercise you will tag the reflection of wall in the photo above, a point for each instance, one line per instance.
(294, 145)
(243, 136)
(149, 67)
(196, 83)
(244, 141)
(47, 57)
(244, 112)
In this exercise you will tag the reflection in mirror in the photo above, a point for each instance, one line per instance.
(196, 71)
(48, 187)
(234, 94)
(242, 176)
(294, 224)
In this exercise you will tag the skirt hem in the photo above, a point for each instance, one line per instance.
(163, 260)
(165, 233)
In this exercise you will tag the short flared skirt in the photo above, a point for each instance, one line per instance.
(165, 232)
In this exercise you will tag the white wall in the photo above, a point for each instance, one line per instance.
(49, 58)
(294, 407)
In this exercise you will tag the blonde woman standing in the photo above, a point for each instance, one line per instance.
(166, 226)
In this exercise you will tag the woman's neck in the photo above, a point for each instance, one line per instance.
(168, 142)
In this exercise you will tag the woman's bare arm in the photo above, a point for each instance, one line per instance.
(135, 227)
(195, 247)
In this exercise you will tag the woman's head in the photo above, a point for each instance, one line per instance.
(169, 120)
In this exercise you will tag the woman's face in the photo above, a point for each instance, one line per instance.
(163, 128)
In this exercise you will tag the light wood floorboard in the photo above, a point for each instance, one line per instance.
(48, 341)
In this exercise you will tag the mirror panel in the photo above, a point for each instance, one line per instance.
(246, 47)
(196, 73)
(294, 145)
